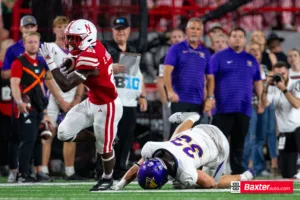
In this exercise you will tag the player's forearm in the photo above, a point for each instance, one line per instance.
(64, 83)
(225, 180)
(205, 180)
(129, 176)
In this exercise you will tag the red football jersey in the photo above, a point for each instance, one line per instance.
(101, 88)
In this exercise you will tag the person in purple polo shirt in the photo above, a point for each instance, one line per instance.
(186, 67)
(235, 72)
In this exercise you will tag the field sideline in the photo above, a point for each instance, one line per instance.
(79, 190)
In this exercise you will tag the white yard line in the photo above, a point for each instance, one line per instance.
(296, 182)
(6, 185)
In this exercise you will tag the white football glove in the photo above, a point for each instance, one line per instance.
(116, 187)
(48, 55)
(64, 71)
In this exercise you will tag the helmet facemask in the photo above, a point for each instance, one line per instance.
(72, 43)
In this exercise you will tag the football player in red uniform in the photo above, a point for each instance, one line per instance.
(102, 109)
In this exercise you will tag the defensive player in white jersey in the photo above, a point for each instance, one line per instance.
(70, 99)
(103, 108)
(181, 157)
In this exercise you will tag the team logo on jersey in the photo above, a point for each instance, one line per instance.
(201, 54)
(185, 51)
(249, 63)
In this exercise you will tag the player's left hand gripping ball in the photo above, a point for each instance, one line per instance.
(67, 66)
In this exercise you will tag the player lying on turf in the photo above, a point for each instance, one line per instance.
(181, 157)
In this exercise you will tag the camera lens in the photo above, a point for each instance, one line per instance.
(276, 78)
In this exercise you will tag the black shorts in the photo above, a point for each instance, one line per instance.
(292, 141)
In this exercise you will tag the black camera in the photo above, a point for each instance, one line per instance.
(276, 78)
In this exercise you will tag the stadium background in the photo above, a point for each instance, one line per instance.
(163, 16)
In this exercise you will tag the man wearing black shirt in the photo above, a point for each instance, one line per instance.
(130, 86)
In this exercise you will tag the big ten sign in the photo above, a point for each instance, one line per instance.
(127, 82)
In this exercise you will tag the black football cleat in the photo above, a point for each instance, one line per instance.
(24, 178)
(103, 184)
(43, 177)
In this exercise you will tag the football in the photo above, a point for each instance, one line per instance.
(26, 99)
(45, 130)
(68, 64)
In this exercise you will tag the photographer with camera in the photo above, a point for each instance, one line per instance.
(284, 92)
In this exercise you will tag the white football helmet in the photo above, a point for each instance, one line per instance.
(80, 34)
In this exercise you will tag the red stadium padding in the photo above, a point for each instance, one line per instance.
(167, 12)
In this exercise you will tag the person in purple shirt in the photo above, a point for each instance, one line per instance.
(27, 24)
(235, 73)
(185, 70)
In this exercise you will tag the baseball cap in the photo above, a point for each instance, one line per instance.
(274, 36)
(120, 23)
(214, 25)
(28, 19)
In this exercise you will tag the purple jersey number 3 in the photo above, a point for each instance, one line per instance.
(192, 149)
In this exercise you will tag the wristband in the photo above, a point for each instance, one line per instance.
(284, 91)
(51, 64)
(18, 102)
(211, 97)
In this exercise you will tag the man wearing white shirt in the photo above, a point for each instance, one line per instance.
(294, 61)
(284, 92)
(71, 98)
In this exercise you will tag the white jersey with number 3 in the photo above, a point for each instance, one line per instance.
(203, 145)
